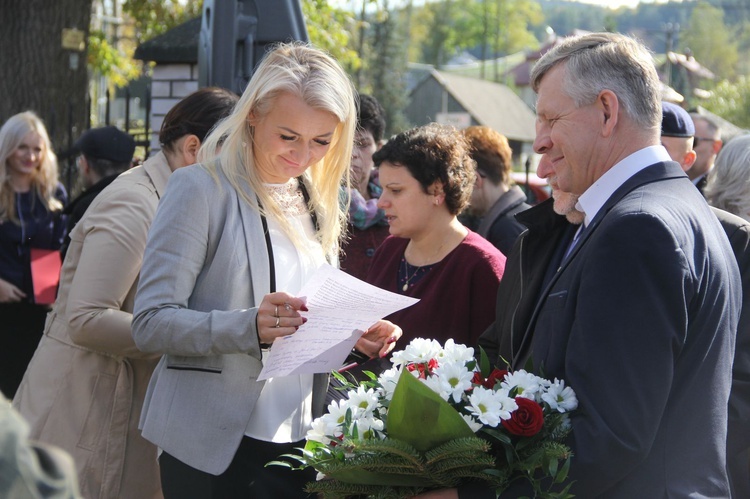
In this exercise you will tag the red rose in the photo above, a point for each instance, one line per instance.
(527, 420)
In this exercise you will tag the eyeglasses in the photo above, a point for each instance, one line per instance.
(697, 140)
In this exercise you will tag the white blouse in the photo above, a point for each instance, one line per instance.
(283, 412)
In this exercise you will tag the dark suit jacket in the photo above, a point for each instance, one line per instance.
(499, 226)
(738, 432)
(640, 321)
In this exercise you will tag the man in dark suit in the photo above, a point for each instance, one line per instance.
(677, 135)
(637, 309)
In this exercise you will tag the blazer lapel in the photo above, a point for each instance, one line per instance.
(255, 244)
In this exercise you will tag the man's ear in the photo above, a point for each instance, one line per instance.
(689, 159)
(609, 107)
(717, 145)
(189, 149)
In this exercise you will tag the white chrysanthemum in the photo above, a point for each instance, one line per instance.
(560, 397)
(435, 384)
(473, 423)
(456, 353)
(454, 378)
(319, 432)
(526, 384)
(369, 427)
(418, 350)
(388, 380)
(362, 401)
(491, 406)
(337, 411)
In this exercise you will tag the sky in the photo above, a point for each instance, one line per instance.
(606, 3)
(619, 3)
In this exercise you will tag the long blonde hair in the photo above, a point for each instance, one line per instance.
(44, 181)
(315, 77)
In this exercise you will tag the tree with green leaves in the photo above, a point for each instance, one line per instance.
(711, 41)
(331, 29)
(497, 26)
(731, 101)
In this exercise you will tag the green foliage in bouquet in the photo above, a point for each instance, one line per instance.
(437, 420)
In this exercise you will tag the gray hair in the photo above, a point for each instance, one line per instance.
(713, 128)
(607, 61)
(728, 185)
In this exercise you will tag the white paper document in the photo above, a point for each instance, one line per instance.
(340, 308)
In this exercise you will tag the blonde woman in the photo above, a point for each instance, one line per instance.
(31, 200)
(234, 239)
(84, 387)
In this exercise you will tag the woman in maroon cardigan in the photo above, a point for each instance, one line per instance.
(427, 177)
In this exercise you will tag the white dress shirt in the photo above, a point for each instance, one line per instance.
(283, 412)
(591, 201)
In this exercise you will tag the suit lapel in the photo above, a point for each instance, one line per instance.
(653, 173)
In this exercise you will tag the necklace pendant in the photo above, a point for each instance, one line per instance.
(405, 286)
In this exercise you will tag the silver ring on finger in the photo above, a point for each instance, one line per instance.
(278, 320)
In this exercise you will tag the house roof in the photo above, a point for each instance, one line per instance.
(491, 104)
(522, 73)
(178, 45)
(688, 62)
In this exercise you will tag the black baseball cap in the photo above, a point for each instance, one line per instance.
(106, 143)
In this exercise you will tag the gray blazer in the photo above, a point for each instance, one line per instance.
(205, 271)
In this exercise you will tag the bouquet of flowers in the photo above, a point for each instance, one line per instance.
(439, 418)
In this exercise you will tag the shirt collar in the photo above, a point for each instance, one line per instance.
(698, 179)
(591, 201)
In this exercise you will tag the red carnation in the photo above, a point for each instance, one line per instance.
(496, 376)
(527, 420)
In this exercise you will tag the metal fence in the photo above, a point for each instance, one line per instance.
(140, 133)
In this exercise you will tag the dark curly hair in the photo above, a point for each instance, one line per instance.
(370, 116)
(434, 153)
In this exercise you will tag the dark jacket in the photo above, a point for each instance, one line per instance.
(522, 281)
(638, 319)
(499, 226)
(80, 204)
(738, 431)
